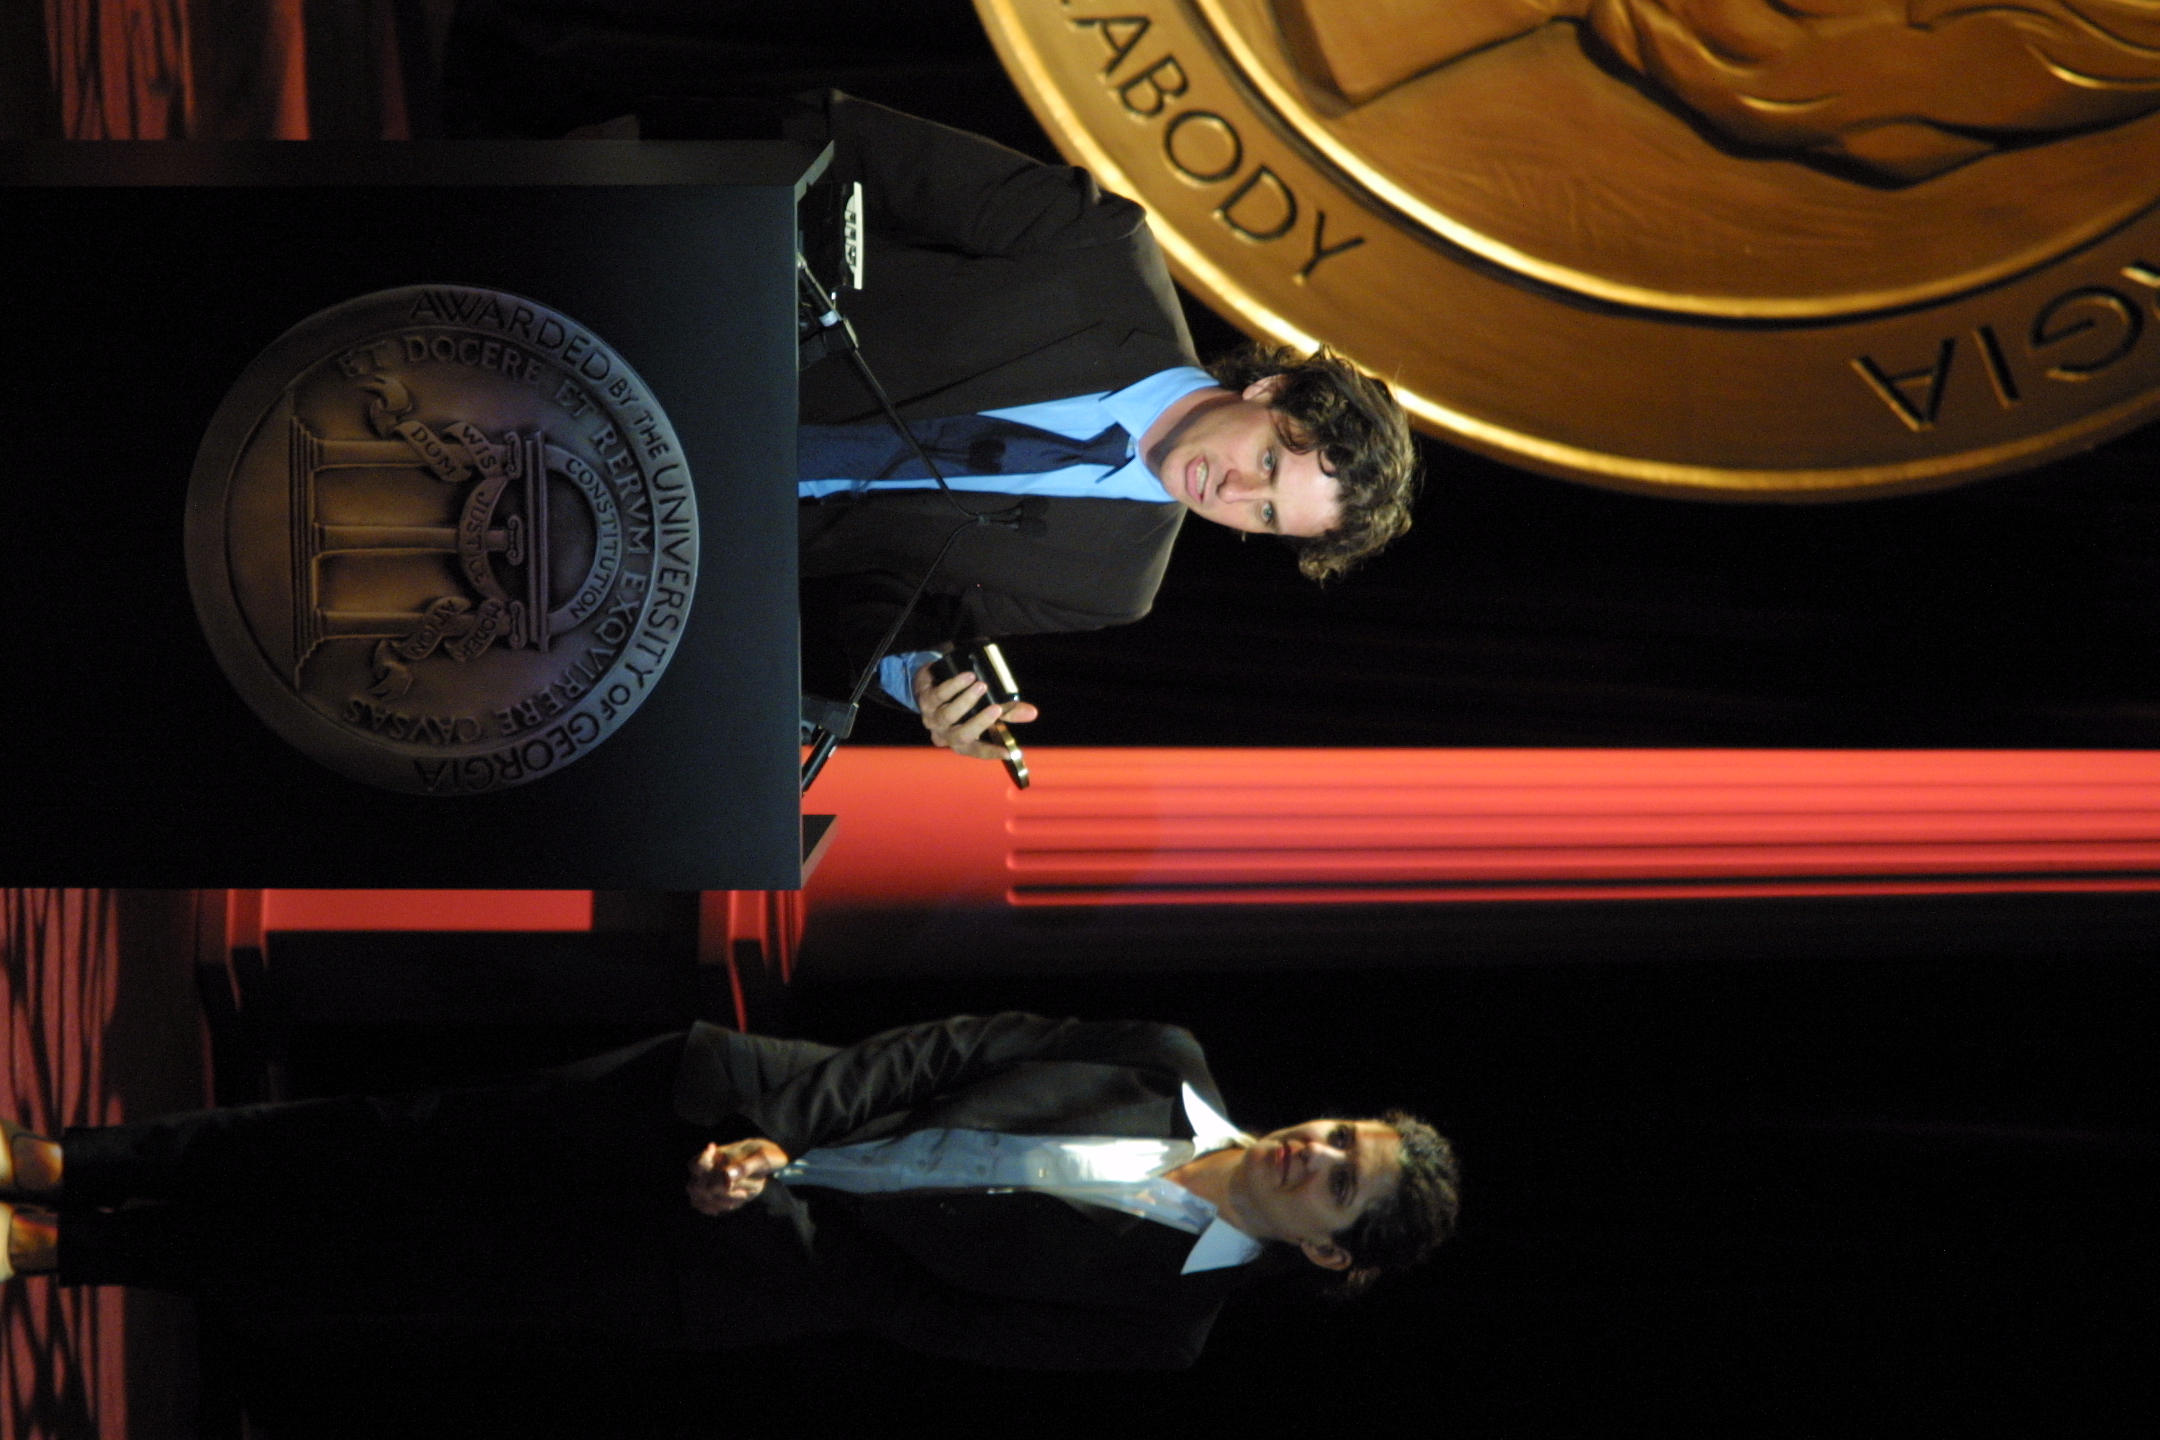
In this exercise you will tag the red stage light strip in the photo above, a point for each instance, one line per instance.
(426, 910)
(1319, 827)
(1216, 827)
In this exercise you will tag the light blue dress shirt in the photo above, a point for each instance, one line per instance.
(1136, 407)
(1120, 1173)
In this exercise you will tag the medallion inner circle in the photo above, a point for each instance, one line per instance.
(455, 539)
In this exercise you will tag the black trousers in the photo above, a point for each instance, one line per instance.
(549, 1204)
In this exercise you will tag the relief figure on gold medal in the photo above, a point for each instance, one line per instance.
(1888, 92)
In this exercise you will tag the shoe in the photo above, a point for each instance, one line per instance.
(8, 1131)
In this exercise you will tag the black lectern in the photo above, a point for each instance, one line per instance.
(401, 515)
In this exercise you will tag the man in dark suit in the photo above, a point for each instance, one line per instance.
(997, 288)
(1002, 287)
(1009, 1190)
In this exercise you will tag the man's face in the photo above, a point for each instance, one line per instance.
(1311, 1182)
(1226, 461)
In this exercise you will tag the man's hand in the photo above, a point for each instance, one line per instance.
(724, 1178)
(945, 705)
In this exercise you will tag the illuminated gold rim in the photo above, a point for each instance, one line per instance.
(1665, 477)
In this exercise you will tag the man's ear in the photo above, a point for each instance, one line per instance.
(1326, 1254)
(1264, 388)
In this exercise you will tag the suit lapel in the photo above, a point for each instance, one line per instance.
(950, 335)
(1094, 562)
(1064, 1098)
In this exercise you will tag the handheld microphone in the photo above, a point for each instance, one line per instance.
(1000, 688)
(1017, 518)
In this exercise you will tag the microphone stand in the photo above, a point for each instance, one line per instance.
(831, 334)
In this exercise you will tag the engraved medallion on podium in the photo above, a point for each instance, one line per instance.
(442, 539)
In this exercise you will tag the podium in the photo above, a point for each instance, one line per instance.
(294, 453)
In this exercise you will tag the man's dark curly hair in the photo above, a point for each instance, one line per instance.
(1363, 437)
(1407, 1226)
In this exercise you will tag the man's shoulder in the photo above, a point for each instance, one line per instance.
(1165, 1049)
(722, 1068)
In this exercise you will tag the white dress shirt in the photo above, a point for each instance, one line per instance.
(1125, 1174)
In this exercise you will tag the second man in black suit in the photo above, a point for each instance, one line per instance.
(1008, 1189)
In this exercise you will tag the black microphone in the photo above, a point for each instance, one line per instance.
(999, 688)
(1022, 516)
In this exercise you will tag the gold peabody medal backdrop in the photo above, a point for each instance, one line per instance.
(1721, 248)
(442, 539)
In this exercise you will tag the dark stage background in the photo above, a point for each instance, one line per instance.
(1753, 1182)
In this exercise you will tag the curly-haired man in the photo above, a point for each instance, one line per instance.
(1025, 325)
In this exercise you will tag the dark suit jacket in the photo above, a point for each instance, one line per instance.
(991, 280)
(1016, 1279)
